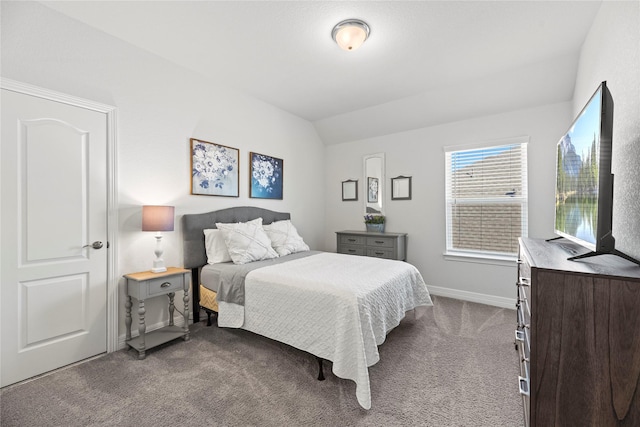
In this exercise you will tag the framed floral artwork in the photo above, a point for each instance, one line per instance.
(265, 176)
(214, 169)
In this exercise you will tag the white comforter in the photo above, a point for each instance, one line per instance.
(338, 307)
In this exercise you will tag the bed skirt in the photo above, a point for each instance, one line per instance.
(208, 299)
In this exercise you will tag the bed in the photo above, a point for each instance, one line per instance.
(336, 307)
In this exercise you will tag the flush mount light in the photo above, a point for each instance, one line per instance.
(350, 33)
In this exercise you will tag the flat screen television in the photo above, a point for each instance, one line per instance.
(584, 182)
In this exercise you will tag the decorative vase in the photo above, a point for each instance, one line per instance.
(378, 228)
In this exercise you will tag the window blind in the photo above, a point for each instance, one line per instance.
(486, 198)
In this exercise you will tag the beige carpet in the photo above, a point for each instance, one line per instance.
(456, 366)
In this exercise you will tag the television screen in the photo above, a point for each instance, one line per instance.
(578, 176)
(584, 182)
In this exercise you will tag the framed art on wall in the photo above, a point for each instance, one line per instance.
(372, 189)
(350, 190)
(401, 188)
(265, 176)
(214, 169)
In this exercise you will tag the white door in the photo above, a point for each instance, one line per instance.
(54, 203)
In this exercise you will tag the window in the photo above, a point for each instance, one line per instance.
(486, 198)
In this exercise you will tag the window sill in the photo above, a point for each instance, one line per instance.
(481, 258)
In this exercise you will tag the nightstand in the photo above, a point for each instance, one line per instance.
(147, 284)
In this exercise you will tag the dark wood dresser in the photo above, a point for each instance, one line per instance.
(578, 336)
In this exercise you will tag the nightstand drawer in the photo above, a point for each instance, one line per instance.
(352, 240)
(384, 242)
(146, 284)
(164, 285)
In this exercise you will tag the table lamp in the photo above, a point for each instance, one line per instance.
(158, 219)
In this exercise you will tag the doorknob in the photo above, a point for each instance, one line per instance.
(95, 245)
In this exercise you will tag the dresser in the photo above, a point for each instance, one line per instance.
(577, 336)
(367, 243)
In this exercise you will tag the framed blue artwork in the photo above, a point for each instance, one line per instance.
(265, 176)
(214, 169)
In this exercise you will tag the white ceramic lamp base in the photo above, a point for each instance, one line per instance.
(158, 263)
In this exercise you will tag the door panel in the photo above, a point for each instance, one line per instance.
(53, 228)
(54, 202)
(60, 298)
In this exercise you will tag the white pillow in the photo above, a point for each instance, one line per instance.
(215, 246)
(285, 238)
(247, 241)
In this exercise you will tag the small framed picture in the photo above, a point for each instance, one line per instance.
(373, 185)
(401, 188)
(265, 180)
(349, 190)
(214, 169)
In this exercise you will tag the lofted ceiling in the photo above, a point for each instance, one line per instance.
(425, 62)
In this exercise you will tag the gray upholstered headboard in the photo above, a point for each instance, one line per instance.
(194, 253)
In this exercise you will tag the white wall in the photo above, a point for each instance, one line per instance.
(420, 154)
(611, 52)
(160, 106)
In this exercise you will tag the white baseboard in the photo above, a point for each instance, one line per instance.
(473, 297)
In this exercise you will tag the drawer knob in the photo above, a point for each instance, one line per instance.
(379, 242)
(165, 285)
(352, 240)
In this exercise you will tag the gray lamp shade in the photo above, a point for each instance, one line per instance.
(157, 218)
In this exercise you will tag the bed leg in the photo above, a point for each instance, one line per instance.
(320, 371)
(195, 294)
(209, 313)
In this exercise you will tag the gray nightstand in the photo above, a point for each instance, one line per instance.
(146, 284)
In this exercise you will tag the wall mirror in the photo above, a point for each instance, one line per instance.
(374, 184)
(401, 188)
(350, 190)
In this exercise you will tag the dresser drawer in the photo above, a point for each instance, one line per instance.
(381, 253)
(523, 301)
(352, 240)
(524, 382)
(164, 285)
(351, 250)
(382, 242)
(524, 270)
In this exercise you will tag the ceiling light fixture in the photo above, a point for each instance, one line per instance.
(350, 34)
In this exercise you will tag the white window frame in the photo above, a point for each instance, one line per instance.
(476, 255)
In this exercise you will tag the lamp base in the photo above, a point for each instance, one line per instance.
(158, 266)
(158, 263)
